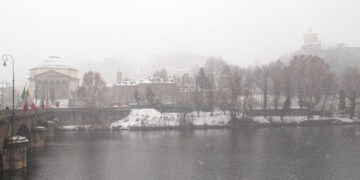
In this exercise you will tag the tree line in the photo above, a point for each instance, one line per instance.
(306, 82)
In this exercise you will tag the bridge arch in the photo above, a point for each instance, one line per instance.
(23, 131)
(39, 122)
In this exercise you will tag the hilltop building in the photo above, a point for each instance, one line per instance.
(339, 56)
(311, 41)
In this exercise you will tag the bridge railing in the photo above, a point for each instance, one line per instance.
(8, 112)
(88, 109)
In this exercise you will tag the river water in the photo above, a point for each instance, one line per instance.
(331, 152)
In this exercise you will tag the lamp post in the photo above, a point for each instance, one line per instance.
(5, 58)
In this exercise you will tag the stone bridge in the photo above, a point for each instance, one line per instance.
(36, 126)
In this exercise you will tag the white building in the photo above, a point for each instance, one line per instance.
(53, 79)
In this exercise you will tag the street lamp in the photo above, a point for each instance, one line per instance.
(5, 58)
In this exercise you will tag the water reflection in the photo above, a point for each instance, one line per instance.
(277, 153)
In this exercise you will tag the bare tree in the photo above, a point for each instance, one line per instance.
(91, 93)
(197, 99)
(223, 100)
(312, 71)
(288, 89)
(297, 68)
(351, 85)
(350, 81)
(217, 93)
(201, 89)
(234, 75)
(352, 104)
(213, 68)
(262, 81)
(276, 72)
(329, 88)
(248, 91)
(210, 98)
(342, 101)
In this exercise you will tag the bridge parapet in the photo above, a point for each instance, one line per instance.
(8, 112)
(64, 116)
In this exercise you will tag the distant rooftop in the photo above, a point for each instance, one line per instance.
(54, 62)
(149, 80)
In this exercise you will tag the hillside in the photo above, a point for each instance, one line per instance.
(338, 58)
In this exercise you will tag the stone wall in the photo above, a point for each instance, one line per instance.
(4, 132)
(83, 116)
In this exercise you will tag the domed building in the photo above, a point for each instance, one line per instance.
(53, 79)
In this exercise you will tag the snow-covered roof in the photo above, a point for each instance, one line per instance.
(145, 81)
(127, 83)
(152, 79)
(148, 80)
(54, 62)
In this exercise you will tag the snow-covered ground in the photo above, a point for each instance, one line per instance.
(277, 119)
(17, 139)
(218, 118)
(147, 118)
(73, 127)
(296, 119)
(153, 118)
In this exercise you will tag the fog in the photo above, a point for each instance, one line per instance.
(137, 32)
(185, 89)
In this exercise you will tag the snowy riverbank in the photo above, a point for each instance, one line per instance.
(153, 119)
(300, 119)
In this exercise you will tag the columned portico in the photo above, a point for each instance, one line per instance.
(52, 84)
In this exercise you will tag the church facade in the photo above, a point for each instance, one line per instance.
(53, 80)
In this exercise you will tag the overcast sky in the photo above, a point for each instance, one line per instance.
(241, 31)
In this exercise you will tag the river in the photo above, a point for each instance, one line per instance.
(329, 152)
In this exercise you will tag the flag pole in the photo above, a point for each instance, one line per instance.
(35, 96)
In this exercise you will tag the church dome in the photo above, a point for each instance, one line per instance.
(54, 62)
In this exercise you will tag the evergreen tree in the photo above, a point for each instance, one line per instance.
(286, 107)
(137, 97)
(342, 99)
(201, 79)
(150, 97)
(352, 104)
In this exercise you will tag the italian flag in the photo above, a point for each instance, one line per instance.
(25, 106)
(25, 94)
